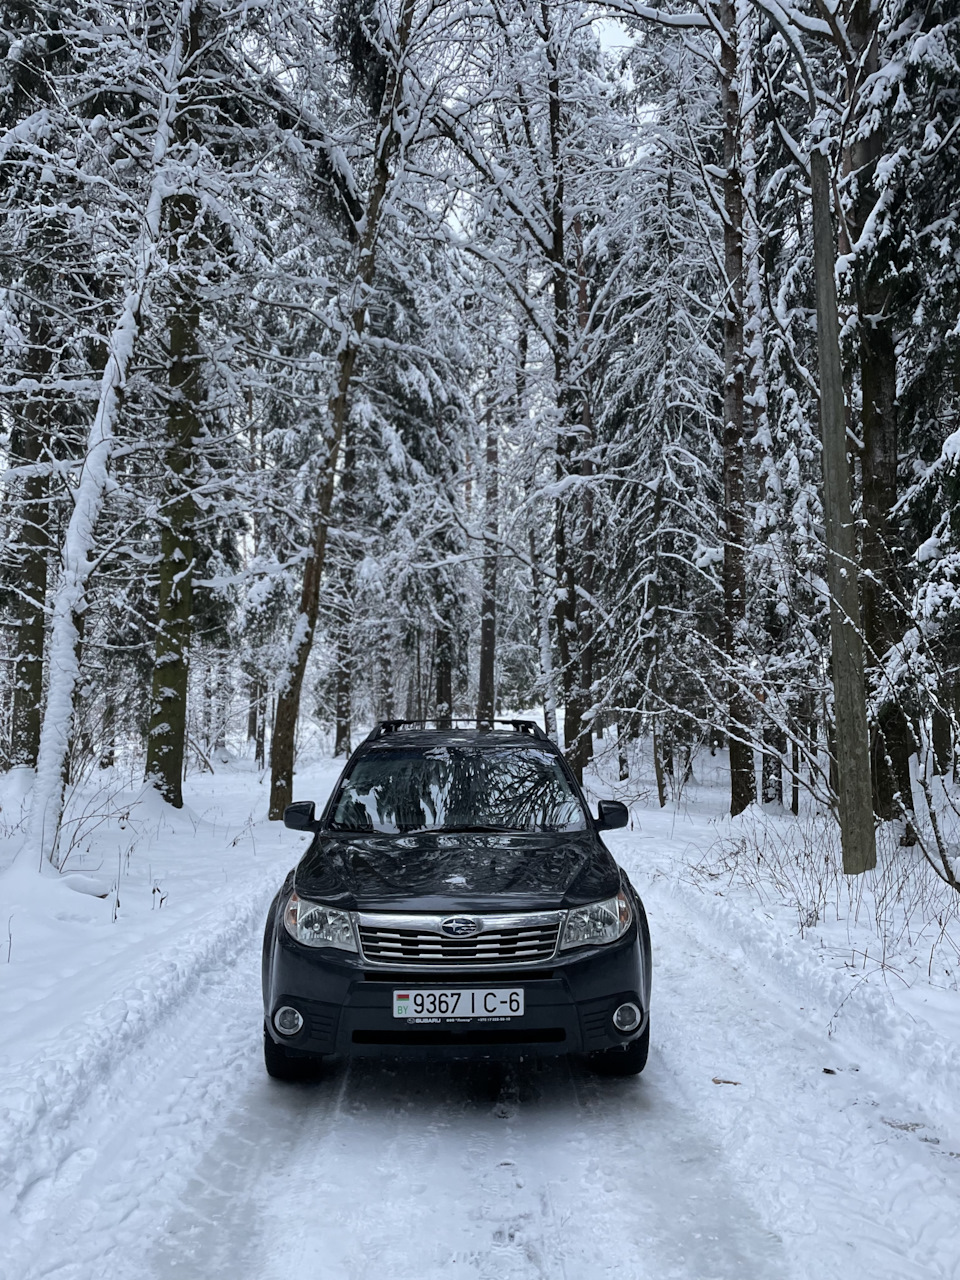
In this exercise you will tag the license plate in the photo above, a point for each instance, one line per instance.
(461, 1004)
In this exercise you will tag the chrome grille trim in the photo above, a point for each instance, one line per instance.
(417, 940)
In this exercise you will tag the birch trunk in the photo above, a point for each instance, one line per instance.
(30, 444)
(69, 599)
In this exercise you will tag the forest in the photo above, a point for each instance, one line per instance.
(374, 359)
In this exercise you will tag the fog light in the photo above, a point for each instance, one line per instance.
(288, 1021)
(627, 1017)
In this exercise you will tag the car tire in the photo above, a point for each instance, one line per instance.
(623, 1060)
(282, 1065)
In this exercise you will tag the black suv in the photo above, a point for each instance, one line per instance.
(456, 900)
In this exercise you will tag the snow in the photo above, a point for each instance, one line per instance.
(797, 1118)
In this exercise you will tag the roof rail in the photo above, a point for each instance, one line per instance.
(525, 726)
(383, 727)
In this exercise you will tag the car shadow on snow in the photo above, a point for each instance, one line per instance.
(471, 1083)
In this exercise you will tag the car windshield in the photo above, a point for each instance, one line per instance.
(458, 788)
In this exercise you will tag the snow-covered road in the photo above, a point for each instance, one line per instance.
(197, 1166)
(757, 1145)
(188, 1162)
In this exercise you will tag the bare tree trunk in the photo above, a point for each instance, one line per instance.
(541, 611)
(222, 702)
(257, 716)
(345, 580)
(774, 744)
(942, 732)
(566, 610)
(743, 786)
(852, 742)
(288, 699)
(253, 706)
(486, 693)
(568, 641)
(770, 493)
(883, 621)
(588, 542)
(288, 695)
(166, 740)
(651, 621)
(108, 736)
(658, 768)
(443, 667)
(387, 697)
(258, 711)
(418, 712)
(344, 688)
(260, 746)
(30, 444)
(538, 596)
(849, 745)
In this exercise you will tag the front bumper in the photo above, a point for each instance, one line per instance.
(347, 1004)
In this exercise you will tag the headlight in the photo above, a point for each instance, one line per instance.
(599, 923)
(318, 926)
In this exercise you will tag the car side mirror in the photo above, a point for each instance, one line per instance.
(612, 814)
(301, 816)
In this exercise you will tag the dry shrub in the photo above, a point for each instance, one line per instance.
(903, 909)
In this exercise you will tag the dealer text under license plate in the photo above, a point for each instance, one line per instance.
(467, 1002)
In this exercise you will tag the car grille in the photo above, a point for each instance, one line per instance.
(419, 941)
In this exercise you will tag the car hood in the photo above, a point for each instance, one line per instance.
(458, 871)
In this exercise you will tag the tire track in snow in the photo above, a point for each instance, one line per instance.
(186, 1161)
(480, 1170)
(40, 1107)
(125, 1150)
(189, 1162)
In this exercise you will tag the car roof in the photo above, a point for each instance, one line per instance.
(406, 738)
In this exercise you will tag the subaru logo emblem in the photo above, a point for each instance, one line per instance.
(460, 927)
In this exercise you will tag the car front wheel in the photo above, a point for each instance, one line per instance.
(623, 1060)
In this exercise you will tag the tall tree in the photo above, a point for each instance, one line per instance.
(487, 689)
(743, 785)
(69, 598)
(396, 116)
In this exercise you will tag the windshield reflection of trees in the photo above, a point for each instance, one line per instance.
(449, 787)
